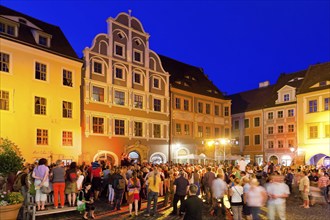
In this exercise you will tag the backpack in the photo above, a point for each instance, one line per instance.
(73, 176)
(18, 182)
(121, 184)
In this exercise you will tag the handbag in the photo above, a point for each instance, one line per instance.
(45, 189)
(81, 204)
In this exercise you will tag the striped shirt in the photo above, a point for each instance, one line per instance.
(323, 181)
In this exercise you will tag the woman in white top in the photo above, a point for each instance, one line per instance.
(256, 197)
(236, 194)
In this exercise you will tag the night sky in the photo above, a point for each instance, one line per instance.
(237, 43)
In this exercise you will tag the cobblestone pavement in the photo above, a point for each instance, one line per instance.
(294, 212)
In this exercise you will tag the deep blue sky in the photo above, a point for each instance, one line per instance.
(237, 43)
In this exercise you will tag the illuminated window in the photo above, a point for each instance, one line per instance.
(119, 127)
(119, 98)
(98, 125)
(97, 67)
(67, 78)
(291, 128)
(270, 130)
(270, 144)
(280, 114)
(138, 101)
(280, 144)
(257, 139)
(312, 106)
(186, 105)
(156, 130)
(42, 137)
(216, 110)
(138, 129)
(290, 112)
(226, 111)
(98, 94)
(246, 123)
(207, 131)
(326, 104)
(67, 138)
(157, 105)
(200, 131)
(313, 132)
(256, 122)
(208, 109)
(40, 105)
(290, 143)
(41, 71)
(178, 129)
(177, 103)
(246, 140)
(270, 115)
(4, 62)
(280, 129)
(4, 100)
(186, 129)
(67, 109)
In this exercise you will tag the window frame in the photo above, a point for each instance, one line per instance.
(160, 105)
(135, 51)
(97, 61)
(120, 128)
(257, 141)
(186, 104)
(115, 50)
(270, 130)
(226, 111)
(4, 101)
(200, 107)
(68, 110)
(4, 63)
(119, 101)
(136, 103)
(100, 127)
(326, 104)
(280, 129)
(291, 128)
(207, 108)
(67, 141)
(122, 69)
(159, 82)
(312, 106)
(177, 103)
(280, 114)
(186, 129)
(138, 130)
(270, 115)
(291, 112)
(286, 97)
(246, 123)
(66, 80)
(41, 72)
(155, 131)
(99, 94)
(41, 106)
(313, 134)
(140, 76)
(217, 110)
(178, 129)
(43, 138)
(254, 122)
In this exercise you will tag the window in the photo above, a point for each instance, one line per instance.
(186, 129)
(97, 67)
(177, 103)
(246, 123)
(290, 143)
(42, 137)
(137, 78)
(200, 107)
(270, 144)
(178, 129)
(256, 122)
(156, 83)
(186, 105)
(326, 104)
(67, 78)
(156, 131)
(137, 56)
(216, 110)
(216, 132)
(327, 131)
(236, 124)
(67, 138)
(291, 128)
(290, 112)
(119, 50)
(322, 83)
(286, 97)
(119, 98)
(313, 132)
(270, 115)
(200, 131)
(138, 129)
(227, 132)
(280, 129)
(312, 106)
(98, 125)
(226, 111)
(208, 109)
(138, 101)
(257, 139)
(67, 109)
(4, 62)
(246, 140)
(270, 130)
(41, 71)
(4, 100)
(280, 114)
(119, 127)
(7, 29)
(98, 94)
(280, 144)
(119, 73)
(43, 41)
(207, 131)
(39, 105)
(157, 105)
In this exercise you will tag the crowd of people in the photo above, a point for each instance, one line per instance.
(247, 186)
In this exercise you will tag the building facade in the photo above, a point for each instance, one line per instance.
(125, 96)
(40, 88)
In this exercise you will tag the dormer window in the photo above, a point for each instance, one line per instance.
(43, 41)
(286, 97)
(323, 83)
(9, 28)
(41, 38)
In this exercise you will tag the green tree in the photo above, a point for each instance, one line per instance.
(10, 160)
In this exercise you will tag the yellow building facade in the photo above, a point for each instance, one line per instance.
(39, 89)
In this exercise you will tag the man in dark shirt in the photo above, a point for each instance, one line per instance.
(180, 191)
(193, 206)
(209, 176)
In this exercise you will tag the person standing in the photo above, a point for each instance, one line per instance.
(153, 182)
(256, 197)
(133, 187)
(96, 173)
(304, 189)
(277, 192)
(219, 190)
(119, 183)
(242, 164)
(236, 203)
(180, 191)
(208, 178)
(71, 183)
(40, 175)
(58, 178)
(289, 179)
(323, 183)
(192, 206)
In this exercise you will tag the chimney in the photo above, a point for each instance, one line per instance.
(264, 84)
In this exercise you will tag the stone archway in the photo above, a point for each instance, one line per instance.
(158, 158)
(140, 149)
(317, 159)
(107, 156)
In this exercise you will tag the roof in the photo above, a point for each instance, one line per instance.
(189, 78)
(316, 74)
(59, 44)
